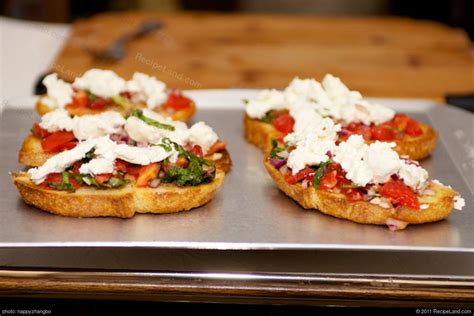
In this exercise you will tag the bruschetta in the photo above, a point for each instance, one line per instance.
(58, 131)
(363, 182)
(103, 90)
(273, 115)
(100, 177)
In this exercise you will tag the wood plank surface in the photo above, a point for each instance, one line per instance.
(387, 57)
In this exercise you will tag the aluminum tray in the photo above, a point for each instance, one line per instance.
(250, 226)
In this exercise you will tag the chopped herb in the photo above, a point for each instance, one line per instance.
(194, 174)
(91, 96)
(276, 150)
(90, 154)
(151, 122)
(319, 173)
(115, 182)
(269, 117)
(166, 143)
(121, 101)
(65, 185)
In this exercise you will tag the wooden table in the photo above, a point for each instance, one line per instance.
(387, 57)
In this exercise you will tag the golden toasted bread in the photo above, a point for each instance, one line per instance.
(181, 115)
(123, 202)
(260, 134)
(32, 154)
(440, 203)
(419, 147)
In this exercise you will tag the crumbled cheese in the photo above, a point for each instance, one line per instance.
(148, 89)
(216, 156)
(202, 135)
(459, 202)
(93, 126)
(57, 120)
(376, 163)
(61, 161)
(59, 93)
(103, 83)
(424, 206)
(104, 157)
(350, 106)
(142, 155)
(313, 143)
(382, 160)
(414, 176)
(266, 100)
(144, 133)
(329, 98)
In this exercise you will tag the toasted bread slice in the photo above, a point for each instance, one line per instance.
(181, 115)
(260, 134)
(440, 203)
(32, 154)
(123, 202)
(419, 147)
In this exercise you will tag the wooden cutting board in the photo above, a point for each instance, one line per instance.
(392, 57)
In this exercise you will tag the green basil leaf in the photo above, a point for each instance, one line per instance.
(151, 122)
(319, 173)
(121, 101)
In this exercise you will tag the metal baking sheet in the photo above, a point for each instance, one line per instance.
(250, 225)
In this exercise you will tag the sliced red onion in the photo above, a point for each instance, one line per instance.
(304, 184)
(155, 183)
(284, 154)
(395, 224)
(142, 144)
(209, 172)
(329, 154)
(277, 163)
(344, 132)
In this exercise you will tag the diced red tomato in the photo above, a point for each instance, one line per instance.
(413, 128)
(148, 173)
(182, 162)
(121, 165)
(360, 129)
(102, 178)
(176, 101)
(284, 123)
(57, 141)
(306, 173)
(57, 178)
(328, 181)
(353, 194)
(38, 131)
(68, 145)
(382, 133)
(217, 147)
(99, 103)
(197, 150)
(134, 170)
(75, 167)
(399, 194)
(79, 100)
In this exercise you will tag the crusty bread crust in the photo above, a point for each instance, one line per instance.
(123, 202)
(440, 204)
(417, 148)
(31, 154)
(260, 134)
(181, 115)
